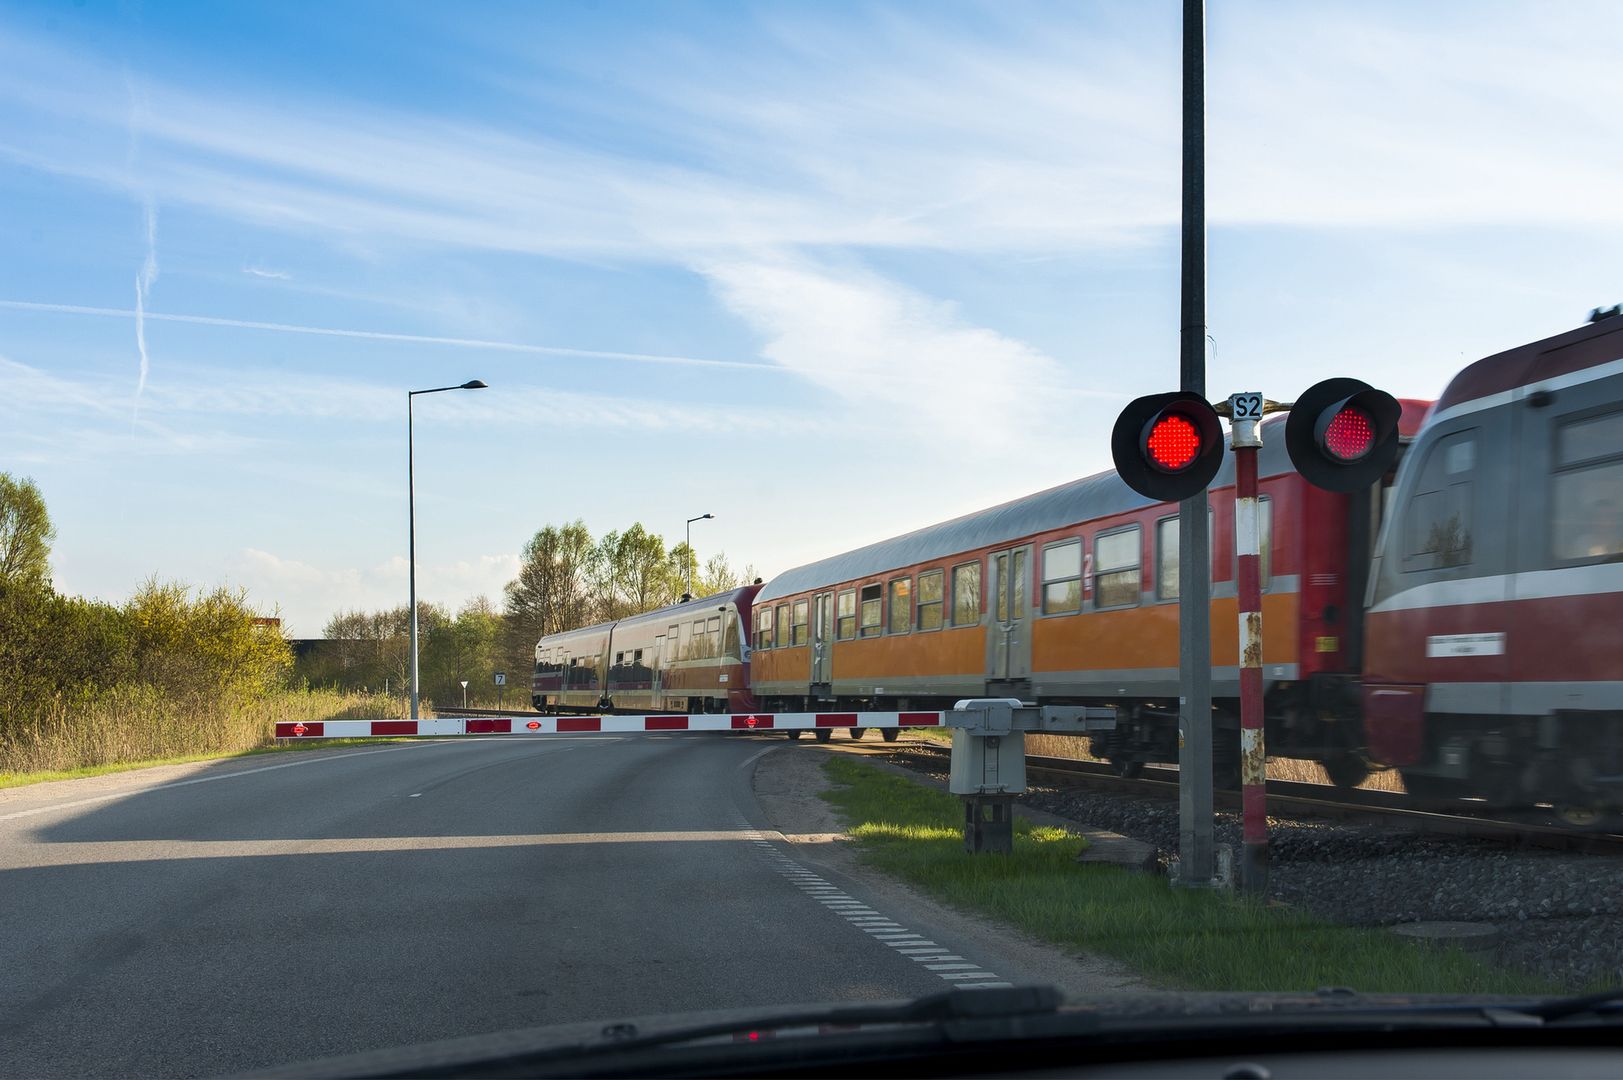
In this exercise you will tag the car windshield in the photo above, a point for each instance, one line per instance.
(517, 515)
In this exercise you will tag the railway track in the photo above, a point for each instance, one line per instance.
(1290, 798)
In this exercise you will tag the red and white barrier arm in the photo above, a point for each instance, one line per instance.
(575, 725)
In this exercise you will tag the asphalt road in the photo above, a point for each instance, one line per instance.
(241, 915)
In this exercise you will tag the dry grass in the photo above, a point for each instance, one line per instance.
(1307, 772)
(135, 724)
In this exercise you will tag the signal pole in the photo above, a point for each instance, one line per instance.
(1245, 417)
(1196, 854)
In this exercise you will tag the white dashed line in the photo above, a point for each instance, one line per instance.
(929, 955)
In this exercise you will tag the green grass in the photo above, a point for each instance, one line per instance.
(1176, 938)
(11, 780)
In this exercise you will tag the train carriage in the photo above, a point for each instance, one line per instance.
(1070, 595)
(689, 657)
(1495, 628)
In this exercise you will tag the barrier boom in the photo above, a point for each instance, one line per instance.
(611, 724)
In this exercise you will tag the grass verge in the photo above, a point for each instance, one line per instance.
(1178, 938)
(11, 780)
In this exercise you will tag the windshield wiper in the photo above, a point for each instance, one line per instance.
(524, 1053)
(1562, 1008)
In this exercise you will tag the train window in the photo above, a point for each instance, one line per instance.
(1587, 507)
(845, 626)
(930, 596)
(730, 629)
(763, 628)
(712, 625)
(1437, 529)
(782, 620)
(1062, 578)
(802, 619)
(619, 658)
(1116, 568)
(966, 594)
(1166, 559)
(636, 658)
(901, 605)
(873, 615)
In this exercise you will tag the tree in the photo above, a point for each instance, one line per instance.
(552, 593)
(25, 533)
(718, 576)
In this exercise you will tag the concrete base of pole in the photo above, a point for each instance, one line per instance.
(1254, 869)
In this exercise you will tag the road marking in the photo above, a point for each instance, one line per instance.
(932, 957)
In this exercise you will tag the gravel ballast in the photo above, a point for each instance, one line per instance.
(1557, 914)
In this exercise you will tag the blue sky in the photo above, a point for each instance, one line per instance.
(828, 271)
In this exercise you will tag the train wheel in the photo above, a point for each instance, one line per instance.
(793, 733)
(1587, 818)
(1346, 770)
(1126, 768)
(824, 734)
(889, 734)
(858, 732)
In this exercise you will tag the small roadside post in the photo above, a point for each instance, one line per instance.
(464, 693)
(501, 688)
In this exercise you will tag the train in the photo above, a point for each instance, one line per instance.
(1460, 620)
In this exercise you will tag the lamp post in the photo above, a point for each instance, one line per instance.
(411, 504)
(691, 520)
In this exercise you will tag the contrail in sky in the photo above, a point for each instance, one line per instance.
(422, 339)
(143, 285)
(139, 314)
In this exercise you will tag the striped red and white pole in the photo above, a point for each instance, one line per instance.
(605, 724)
(1247, 441)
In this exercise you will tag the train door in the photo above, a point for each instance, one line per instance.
(1008, 641)
(669, 653)
(656, 672)
(822, 646)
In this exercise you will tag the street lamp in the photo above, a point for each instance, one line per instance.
(691, 520)
(411, 503)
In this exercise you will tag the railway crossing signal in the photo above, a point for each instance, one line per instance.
(1342, 434)
(1167, 446)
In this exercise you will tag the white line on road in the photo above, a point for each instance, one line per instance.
(927, 954)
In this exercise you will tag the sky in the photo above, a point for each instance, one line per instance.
(828, 271)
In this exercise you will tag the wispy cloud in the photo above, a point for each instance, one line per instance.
(261, 272)
(904, 356)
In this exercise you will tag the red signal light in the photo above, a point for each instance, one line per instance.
(1173, 443)
(1350, 434)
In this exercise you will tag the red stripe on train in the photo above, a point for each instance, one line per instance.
(919, 719)
(580, 723)
(837, 719)
(394, 727)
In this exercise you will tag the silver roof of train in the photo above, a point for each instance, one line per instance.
(1091, 497)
